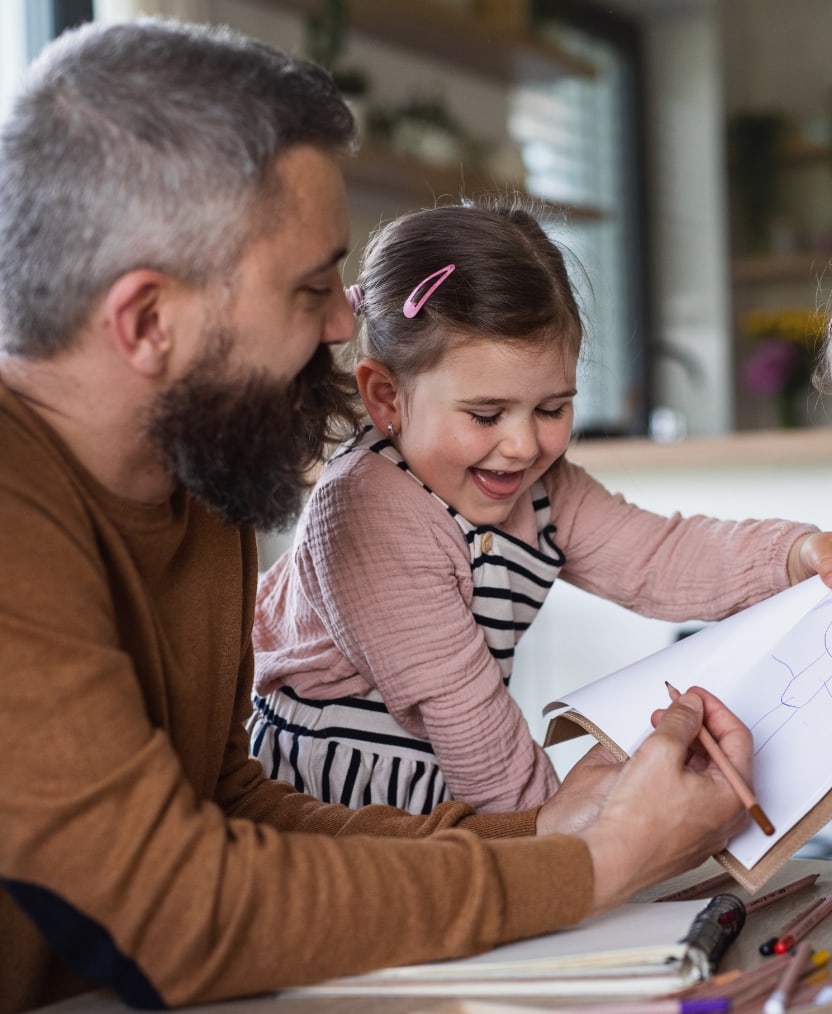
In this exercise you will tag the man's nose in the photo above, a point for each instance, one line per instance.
(339, 326)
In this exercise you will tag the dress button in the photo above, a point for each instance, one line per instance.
(487, 542)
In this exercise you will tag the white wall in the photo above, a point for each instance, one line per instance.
(577, 637)
(12, 50)
(777, 55)
(688, 199)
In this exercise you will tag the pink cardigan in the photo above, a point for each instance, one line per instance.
(376, 592)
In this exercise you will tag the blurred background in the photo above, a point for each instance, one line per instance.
(683, 149)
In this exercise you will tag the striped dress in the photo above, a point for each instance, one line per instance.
(351, 750)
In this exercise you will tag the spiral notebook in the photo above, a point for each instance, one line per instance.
(772, 665)
(669, 946)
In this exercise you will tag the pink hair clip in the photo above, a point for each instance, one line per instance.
(355, 297)
(411, 307)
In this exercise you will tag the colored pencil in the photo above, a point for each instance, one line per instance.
(779, 999)
(770, 944)
(781, 892)
(732, 776)
(797, 932)
(703, 888)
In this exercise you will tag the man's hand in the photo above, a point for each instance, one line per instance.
(578, 802)
(663, 811)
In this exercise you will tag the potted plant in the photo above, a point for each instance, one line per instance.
(424, 128)
(326, 45)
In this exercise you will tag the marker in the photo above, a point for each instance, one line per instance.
(779, 999)
(806, 925)
(728, 918)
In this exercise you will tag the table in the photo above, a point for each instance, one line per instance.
(743, 955)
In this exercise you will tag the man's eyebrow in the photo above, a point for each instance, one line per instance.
(337, 255)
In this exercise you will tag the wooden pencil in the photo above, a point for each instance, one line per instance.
(732, 776)
(781, 892)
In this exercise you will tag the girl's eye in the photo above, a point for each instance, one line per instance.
(552, 413)
(485, 420)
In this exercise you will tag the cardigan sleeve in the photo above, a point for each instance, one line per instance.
(388, 573)
(672, 568)
(113, 862)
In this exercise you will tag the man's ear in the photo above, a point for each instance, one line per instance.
(136, 317)
(381, 393)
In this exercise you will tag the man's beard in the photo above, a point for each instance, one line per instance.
(244, 444)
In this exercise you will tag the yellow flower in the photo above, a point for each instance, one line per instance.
(795, 324)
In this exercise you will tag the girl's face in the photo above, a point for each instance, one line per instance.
(486, 422)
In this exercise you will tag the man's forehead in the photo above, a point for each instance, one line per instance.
(312, 195)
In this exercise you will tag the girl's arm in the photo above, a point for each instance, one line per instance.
(388, 572)
(672, 568)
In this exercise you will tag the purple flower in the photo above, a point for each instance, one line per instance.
(774, 367)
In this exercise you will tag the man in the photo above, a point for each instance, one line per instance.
(172, 219)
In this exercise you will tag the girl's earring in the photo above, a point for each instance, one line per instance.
(390, 431)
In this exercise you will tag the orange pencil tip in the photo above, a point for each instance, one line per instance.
(761, 819)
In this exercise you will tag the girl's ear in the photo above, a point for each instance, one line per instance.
(381, 393)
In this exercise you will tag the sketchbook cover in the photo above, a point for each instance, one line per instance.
(772, 665)
(590, 960)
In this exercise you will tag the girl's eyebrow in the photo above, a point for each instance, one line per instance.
(487, 401)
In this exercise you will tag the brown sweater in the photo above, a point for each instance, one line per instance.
(140, 847)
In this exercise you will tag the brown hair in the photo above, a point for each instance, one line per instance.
(510, 284)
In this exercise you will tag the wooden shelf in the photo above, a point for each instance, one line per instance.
(797, 152)
(402, 177)
(797, 267)
(438, 31)
(736, 451)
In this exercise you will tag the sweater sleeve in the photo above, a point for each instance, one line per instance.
(671, 568)
(140, 882)
(387, 571)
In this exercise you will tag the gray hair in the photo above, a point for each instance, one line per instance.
(148, 144)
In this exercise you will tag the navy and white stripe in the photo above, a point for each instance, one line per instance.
(511, 578)
(351, 750)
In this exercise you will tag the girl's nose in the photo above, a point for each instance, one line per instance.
(520, 440)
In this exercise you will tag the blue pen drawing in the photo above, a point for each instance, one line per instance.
(805, 656)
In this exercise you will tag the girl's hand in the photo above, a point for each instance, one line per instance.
(810, 555)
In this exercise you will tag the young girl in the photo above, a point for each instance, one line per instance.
(385, 636)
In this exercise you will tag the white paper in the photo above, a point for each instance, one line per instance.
(772, 666)
(633, 950)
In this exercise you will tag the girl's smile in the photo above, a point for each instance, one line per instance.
(497, 485)
(486, 422)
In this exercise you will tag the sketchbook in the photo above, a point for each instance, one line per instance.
(670, 946)
(772, 665)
